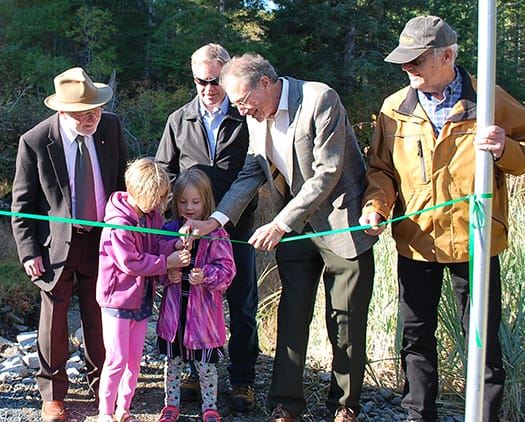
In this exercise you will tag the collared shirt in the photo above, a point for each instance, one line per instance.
(439, 110)
(70, 151)
(281, 145)
(212, 121)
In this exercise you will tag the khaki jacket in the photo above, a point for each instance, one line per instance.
(411, 170)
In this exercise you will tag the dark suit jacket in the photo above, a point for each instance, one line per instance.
(41, 186)
(327, 170)
(185, 144)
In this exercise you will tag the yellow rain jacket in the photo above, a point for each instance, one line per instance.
(411, 169)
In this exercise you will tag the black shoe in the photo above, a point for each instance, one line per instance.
(242, 398)
(190, 387)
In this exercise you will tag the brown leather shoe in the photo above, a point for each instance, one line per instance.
(344, 414)
(280, 414)
(53, 411)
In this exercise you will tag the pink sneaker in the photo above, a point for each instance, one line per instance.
(169, 414)
(211, 415)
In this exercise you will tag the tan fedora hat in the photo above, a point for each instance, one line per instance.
(75, 91)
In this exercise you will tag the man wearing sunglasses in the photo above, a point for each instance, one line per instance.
(209, 133)
(303, 146)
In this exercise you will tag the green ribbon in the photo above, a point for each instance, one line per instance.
(368, 226)
(477, 218)
(113, 226)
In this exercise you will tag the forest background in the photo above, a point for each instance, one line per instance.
(143, 48)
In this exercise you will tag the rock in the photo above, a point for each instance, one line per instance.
(14, 367)
(9, 350)
(27, 340)
(31, 360)
(4, 341)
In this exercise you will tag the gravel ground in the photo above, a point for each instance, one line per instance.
(20, 402)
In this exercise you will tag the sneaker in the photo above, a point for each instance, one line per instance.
(211, 415)
(190, 387)
(105, 418)
(169, 414)
(242, 398)
(344, 414)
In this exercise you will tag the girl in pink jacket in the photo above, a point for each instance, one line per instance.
(191, 324)
(129, 263)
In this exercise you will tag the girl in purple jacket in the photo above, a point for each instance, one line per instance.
(129, 263)
(191, 324)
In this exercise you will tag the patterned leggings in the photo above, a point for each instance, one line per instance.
(208, 379)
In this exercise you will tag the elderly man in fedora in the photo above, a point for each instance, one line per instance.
(67, 166)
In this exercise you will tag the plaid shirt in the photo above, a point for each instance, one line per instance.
(439, 110)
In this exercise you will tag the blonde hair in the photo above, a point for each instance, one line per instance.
(210, 53)
(200, 181)
(147, 183)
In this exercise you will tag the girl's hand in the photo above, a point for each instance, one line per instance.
(188, 242)
(179, 259)
(179, 245)
(196, 276)
(174, 275)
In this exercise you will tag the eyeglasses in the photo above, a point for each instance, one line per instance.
(204, 82)
(242, 103)
(419, 60)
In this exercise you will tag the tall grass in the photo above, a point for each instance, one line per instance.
(384, 338)
(512, 329)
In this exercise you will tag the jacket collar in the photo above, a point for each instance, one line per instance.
(467, 100)
(193, 111)
(295, 96)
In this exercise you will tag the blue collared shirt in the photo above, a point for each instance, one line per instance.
(212, 122)
(439, 110)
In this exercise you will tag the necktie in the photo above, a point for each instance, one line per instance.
(86, 207)
(278, 180)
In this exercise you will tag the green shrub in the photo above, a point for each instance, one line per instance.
(19, 299)
(144, 114)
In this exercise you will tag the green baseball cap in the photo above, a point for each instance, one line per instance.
(420, 35)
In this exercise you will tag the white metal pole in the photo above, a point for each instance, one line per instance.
(483, 184)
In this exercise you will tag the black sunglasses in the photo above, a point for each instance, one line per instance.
(204, 82)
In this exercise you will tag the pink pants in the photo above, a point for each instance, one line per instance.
(124, 342)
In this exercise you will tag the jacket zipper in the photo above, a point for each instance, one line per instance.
(421, 161)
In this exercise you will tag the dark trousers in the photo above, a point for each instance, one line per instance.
(53, 338)
(419, 293)
(242, 296)
(348, 289)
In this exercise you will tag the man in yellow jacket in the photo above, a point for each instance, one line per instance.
(423, 154)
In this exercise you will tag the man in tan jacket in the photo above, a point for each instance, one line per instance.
(423, 154)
